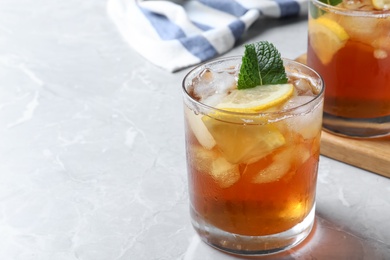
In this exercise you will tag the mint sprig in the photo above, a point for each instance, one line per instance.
(261, 65)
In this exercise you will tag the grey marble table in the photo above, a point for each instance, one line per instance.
(92, 162)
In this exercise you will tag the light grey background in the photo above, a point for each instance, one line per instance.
(92, 162)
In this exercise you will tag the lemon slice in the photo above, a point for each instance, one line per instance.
(245, 139)
(326, 38)
(257, 98)
(381, 4)
(199, 129)
(240, 142)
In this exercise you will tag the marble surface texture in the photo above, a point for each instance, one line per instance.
(92, 161)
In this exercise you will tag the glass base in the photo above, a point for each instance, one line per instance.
(357, 127)
(253, 245)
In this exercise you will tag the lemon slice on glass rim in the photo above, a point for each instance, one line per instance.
(326, 37)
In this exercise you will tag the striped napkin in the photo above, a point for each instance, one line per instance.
(181, 33)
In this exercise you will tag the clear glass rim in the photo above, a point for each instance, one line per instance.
(347, 12)
(269, 113)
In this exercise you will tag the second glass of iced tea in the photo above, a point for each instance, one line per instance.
(252, 176)
(349, 45)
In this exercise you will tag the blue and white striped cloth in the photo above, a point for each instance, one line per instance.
(180, 33)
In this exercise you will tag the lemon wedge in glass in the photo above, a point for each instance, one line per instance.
(247, 138)
(326, 37)
(240, 143)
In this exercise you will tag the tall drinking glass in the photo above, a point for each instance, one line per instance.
(349, 45)
(252, 176)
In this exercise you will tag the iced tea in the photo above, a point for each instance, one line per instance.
(349, 45)
(252, 176)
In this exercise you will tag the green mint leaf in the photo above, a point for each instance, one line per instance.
(331, 2)
(261, 65)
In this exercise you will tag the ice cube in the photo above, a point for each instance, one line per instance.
(362, 29)
(202, 84)
(302, 154)
(306, 124)
(382, 46)
(224, 173)
(210, 83)
(223, 82)
(214, 100)
(303, 87)
(296, 102)
(211, 162)
(199, 129)
(272, 173)
(282, 163)
(380, 54)
(201, 159)
(357, 4)
(277, 169)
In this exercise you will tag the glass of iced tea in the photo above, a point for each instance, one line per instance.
(252, 175)
(349, 45)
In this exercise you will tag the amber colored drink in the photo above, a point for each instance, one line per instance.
(356, 70)
(362, 88)
(252, 207)
(252, 177)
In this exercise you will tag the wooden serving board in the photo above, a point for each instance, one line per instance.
(369, 154)
(372, 155)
